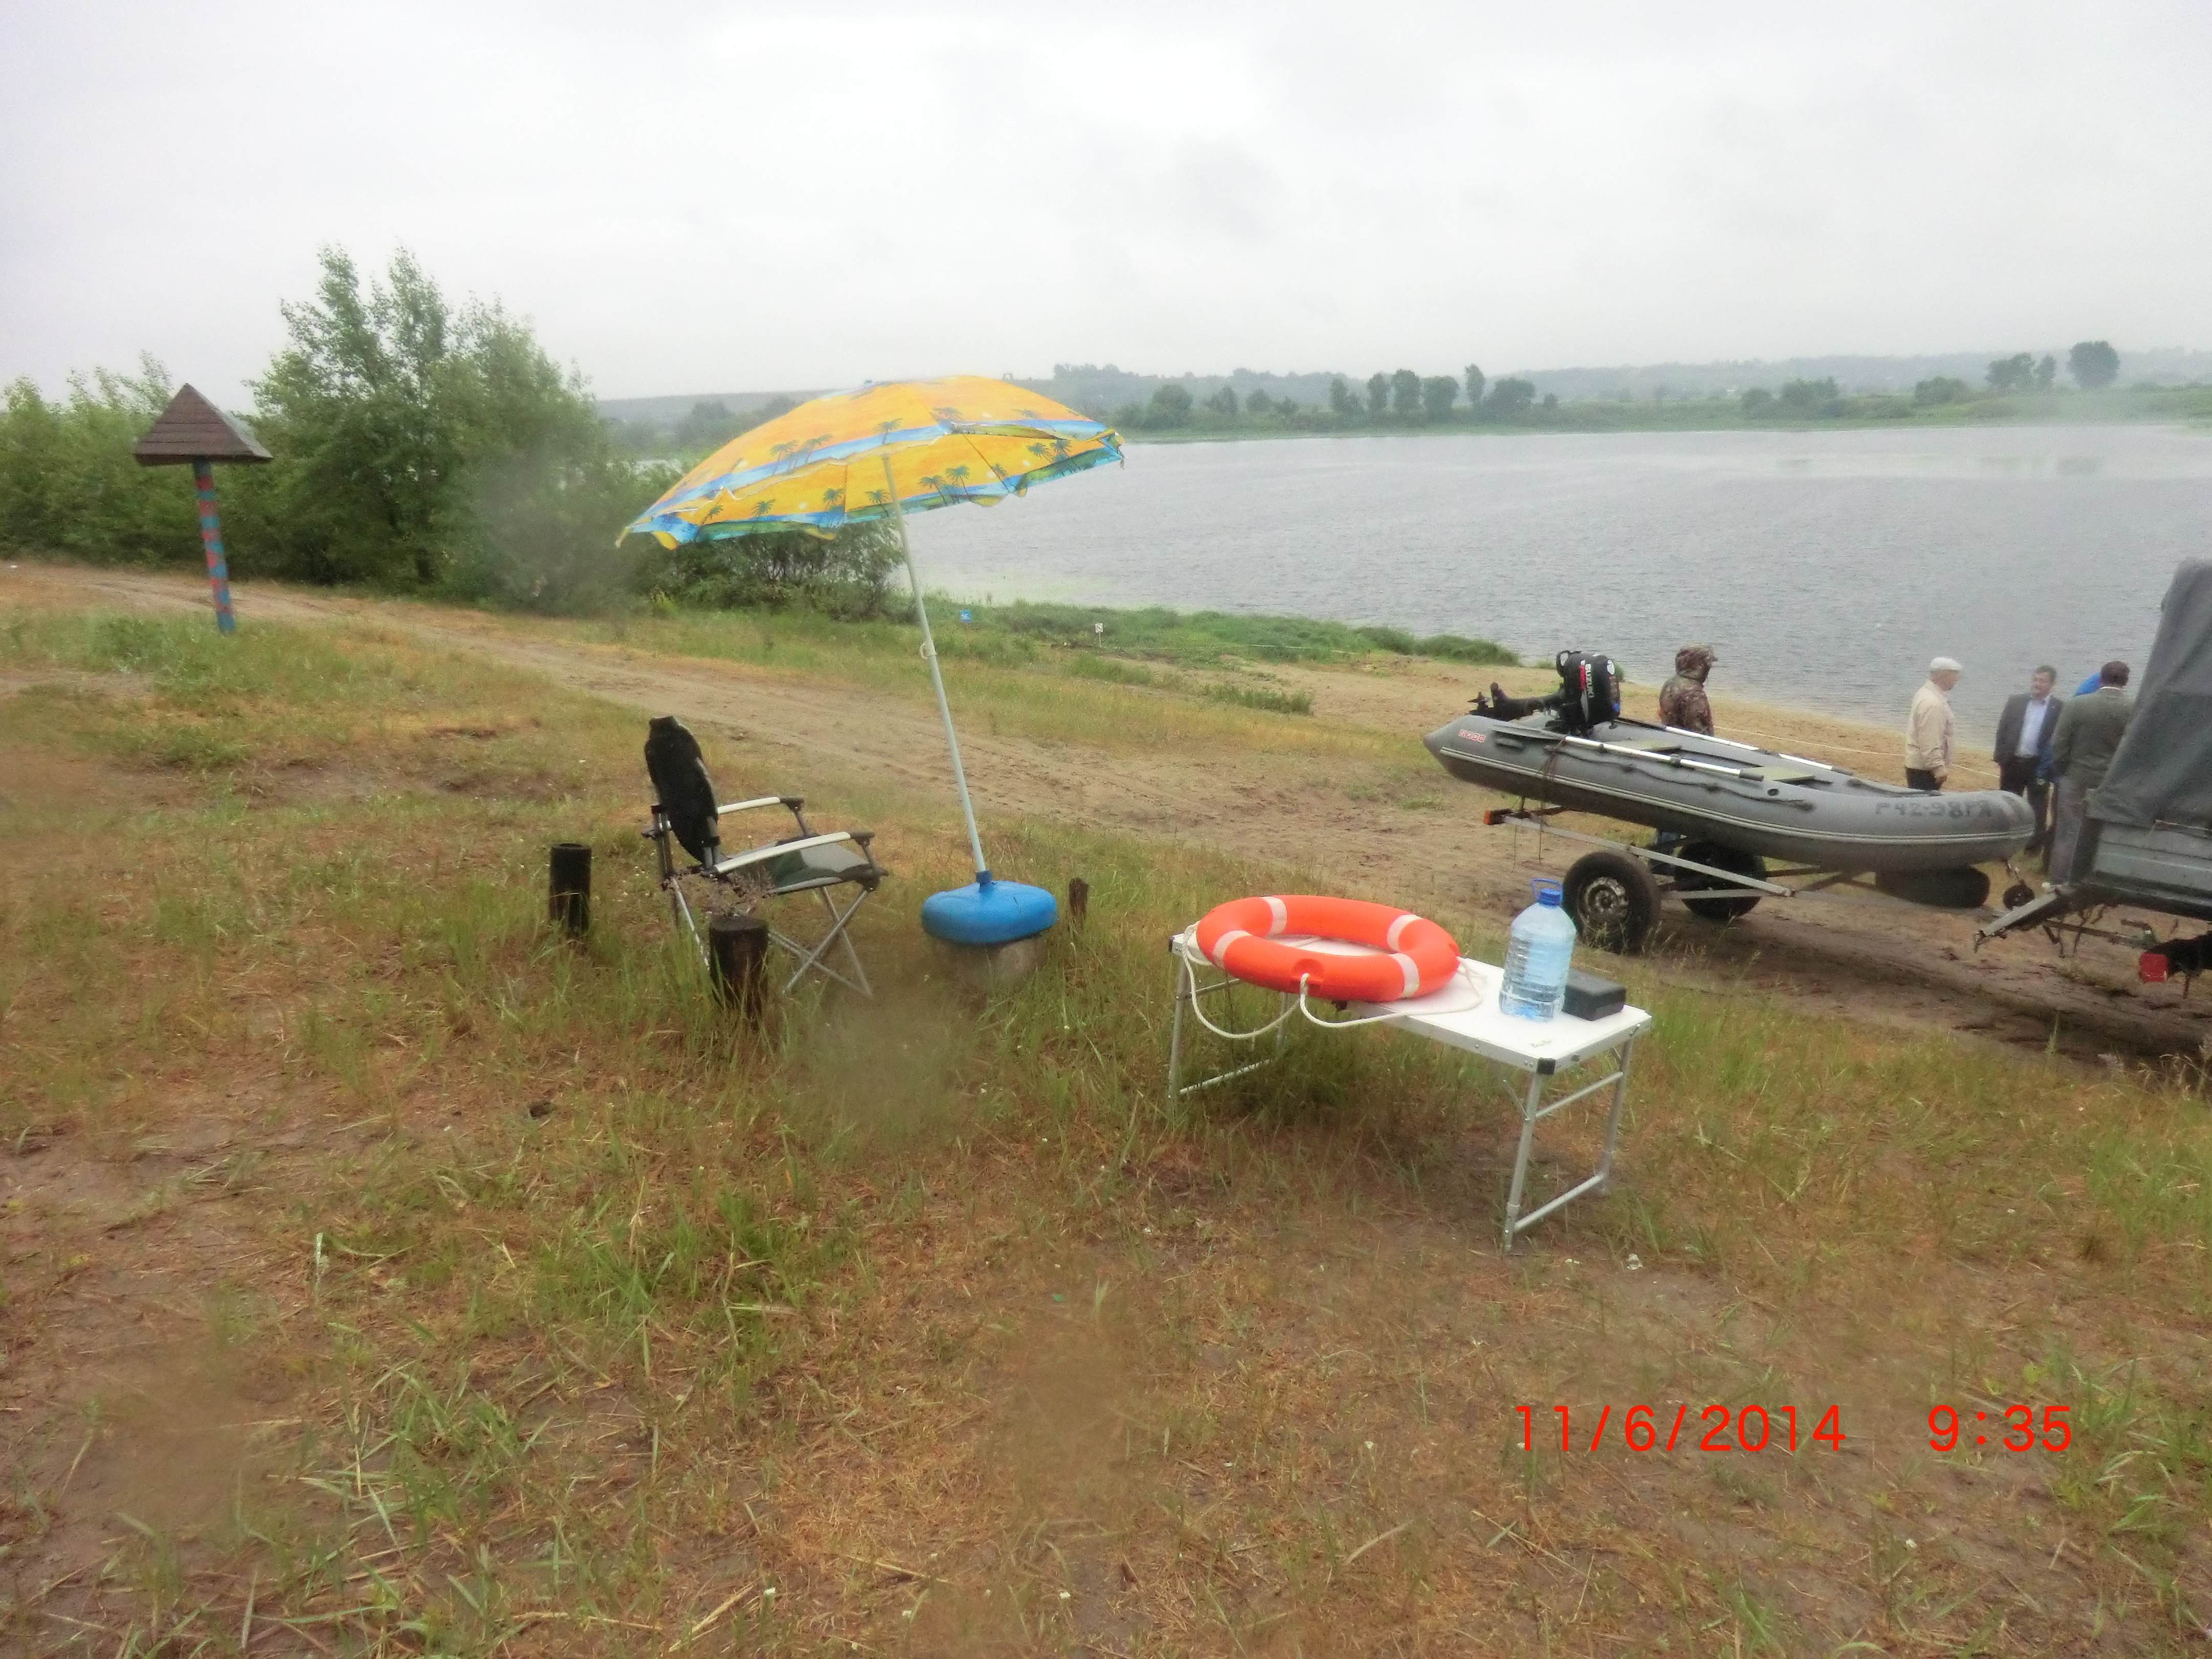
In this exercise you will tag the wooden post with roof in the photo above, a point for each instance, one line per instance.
(193, 432)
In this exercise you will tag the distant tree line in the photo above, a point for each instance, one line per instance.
(699, 431)
(1398, 398)
(2093, 363)
(419, 446)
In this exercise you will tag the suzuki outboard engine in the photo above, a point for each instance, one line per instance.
(1589, 696)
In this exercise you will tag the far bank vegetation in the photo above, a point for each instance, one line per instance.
(437, 449)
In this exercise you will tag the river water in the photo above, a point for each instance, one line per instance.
(1825, 567)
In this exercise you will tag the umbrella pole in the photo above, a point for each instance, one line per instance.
(937, 680)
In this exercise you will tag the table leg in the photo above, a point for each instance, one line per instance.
(1528, 1105)
(1174, 1033)
(1612, 1119)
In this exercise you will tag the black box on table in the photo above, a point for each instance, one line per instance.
(1589, 997)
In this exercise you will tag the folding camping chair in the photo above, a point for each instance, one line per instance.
(685, 813)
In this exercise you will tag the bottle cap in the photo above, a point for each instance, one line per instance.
(1546, 891)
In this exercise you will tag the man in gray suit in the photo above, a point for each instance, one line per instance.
(2089, 733)
(2025, 733)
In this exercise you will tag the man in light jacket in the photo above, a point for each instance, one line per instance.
(2089, 733)
(2025, 733)
(1929, 728)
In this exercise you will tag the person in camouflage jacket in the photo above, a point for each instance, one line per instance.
(1682, 699)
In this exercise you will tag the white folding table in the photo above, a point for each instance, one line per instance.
(1464, 1015)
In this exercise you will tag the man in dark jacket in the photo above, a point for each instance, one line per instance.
(2026, 732)
(2089, 733)
(1682, 699)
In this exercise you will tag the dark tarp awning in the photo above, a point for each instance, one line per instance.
(2163, 771)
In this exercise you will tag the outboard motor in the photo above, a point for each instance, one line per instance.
(1589, 696)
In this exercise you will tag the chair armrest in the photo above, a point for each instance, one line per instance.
(796, 803)
(777, 849)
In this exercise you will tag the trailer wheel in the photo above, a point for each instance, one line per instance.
(1721, 858)
(1613, 899)
(1946, 889)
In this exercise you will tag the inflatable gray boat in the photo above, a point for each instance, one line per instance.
(1754, 800)
(1722, 810)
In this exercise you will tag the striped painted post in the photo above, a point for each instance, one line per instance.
(211, 539)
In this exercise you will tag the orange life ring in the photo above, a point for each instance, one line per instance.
(1240, 936)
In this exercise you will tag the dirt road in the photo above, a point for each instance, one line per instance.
(1869, 956)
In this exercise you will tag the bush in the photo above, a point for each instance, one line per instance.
(68, 483)
(1942, 389)
(1390, 639)
(1205, 637)
(1457, 648)
(847, 575)
(1259, 696)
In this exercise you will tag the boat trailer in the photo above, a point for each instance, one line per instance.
(1613, 892)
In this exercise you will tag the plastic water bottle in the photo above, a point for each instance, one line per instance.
(1541, 948)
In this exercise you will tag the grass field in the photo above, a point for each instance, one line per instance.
(385, 1274)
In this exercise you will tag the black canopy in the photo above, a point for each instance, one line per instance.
(2163, 771)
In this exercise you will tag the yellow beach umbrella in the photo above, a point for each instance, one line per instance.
(883, 452)
(853, 456)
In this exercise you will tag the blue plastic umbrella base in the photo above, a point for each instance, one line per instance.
(988, 913)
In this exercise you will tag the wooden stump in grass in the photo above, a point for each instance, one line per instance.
(737, 946)
(568, 889)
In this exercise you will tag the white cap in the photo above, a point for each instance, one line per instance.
(1945, 665)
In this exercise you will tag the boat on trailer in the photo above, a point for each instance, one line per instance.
(1722, 810)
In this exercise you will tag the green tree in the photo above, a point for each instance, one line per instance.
(1224, 402)
(2046, 371)
(1259, 403)
(1509, 397)
(1171, 406)
(1405, 392)
(1475, 382)
(2012, 374)
(68, 483)
(1438, 393)
(1758, 401)
(417, 445)
(708, 426)
(1340, 399)
(1803, 397)
(1378, 394)
(2093, 364)
(1942, 388)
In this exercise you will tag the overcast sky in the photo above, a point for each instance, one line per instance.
(723, 196)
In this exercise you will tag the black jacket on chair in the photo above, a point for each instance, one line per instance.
(2015, 717)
